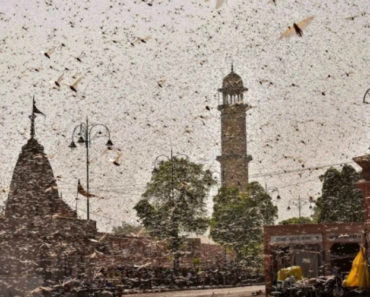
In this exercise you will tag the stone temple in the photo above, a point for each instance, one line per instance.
(41, 239)
(44, 244)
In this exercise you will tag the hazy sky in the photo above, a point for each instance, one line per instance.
(306, 92)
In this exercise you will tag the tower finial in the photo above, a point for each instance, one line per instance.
(32, 117)
(232, 66)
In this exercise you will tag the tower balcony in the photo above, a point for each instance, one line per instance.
(234, 108)
(234, 156)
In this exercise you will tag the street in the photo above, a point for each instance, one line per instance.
(229, 292)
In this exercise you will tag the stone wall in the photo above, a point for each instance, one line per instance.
(120, 250)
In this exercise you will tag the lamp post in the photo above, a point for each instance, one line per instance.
(174, 221)
(84, 134)
(299, 203)
(170, 158)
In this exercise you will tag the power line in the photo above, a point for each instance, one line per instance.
(122, 191)
(299, 183)
(276, 173)
(272, 173)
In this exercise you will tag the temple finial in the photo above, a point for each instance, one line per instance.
(232, 66)
(32, 117)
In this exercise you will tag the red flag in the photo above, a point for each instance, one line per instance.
(82, 191)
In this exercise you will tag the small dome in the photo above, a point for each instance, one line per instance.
(232, 80)
(232, 84)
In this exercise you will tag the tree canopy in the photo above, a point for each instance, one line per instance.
(296, 220)
(340, 200)
(238, 219)
(126, 229)
(174, 202)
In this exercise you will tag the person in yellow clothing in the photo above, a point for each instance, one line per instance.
(295, 271)
(359, 275)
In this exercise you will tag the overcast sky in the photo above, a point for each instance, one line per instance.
(306, 93)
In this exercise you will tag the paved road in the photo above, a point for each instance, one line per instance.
(228, 292)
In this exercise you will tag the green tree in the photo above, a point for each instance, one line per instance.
(296, 220)
(126, 229)
(174, 203)
(238, 220)
(340, 200)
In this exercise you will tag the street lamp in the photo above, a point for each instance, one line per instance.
(364, 99)
(173, 215)
(84, 134)
(271, 190)
(299, 203)
(170, 158)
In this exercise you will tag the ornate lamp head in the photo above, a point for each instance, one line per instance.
(81, 140)
(109, 144)
(72, 145)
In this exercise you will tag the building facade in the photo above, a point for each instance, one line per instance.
(318, 248)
